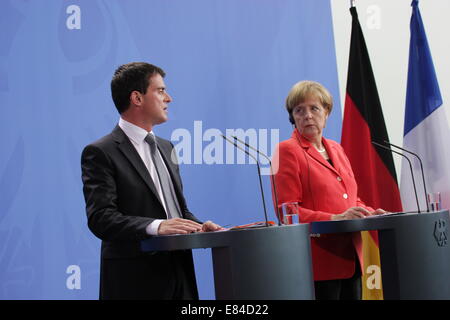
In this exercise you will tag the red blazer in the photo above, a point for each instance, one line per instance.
(303, 175)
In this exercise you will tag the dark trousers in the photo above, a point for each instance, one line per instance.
(163, 276)
(340, 289)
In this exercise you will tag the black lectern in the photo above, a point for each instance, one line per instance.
(252, 264)
(414, 252)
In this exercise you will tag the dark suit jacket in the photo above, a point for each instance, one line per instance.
(121, 200)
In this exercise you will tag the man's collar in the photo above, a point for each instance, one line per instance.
(134, 132)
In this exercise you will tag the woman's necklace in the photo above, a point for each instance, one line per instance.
(321, 150)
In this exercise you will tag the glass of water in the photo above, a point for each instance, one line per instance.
(289, 213)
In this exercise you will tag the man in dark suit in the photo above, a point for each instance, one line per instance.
(133, 190)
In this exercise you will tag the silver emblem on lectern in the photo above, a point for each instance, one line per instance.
(441, 232)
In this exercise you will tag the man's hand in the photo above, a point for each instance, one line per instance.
(179, 226)
(210, 226)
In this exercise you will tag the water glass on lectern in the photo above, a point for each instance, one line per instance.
(434, 199)
(289, 213)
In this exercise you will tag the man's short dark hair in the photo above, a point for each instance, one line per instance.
(134, 76)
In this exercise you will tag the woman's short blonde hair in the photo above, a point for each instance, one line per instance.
(303, 90)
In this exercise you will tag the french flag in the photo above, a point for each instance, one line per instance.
(426, 130)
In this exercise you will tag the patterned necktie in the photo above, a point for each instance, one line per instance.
(170, 198)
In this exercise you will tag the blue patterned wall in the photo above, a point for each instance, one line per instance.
(229, 65)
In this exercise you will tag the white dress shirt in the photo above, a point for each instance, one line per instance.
(137, 135)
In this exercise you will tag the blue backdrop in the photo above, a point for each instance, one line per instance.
(229, 65)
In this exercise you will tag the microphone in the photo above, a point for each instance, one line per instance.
(421, 169)
(410, 167)
(259, 175)
(272, 179)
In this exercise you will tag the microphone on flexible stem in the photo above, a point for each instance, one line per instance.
(421, 169)
(271, 173)
(410, 167)
(259, 175)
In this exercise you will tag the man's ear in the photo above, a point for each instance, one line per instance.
(135, 98)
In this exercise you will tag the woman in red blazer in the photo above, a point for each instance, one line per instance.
(316, 173)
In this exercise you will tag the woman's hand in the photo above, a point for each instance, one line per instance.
(352, 213)
(378, 211)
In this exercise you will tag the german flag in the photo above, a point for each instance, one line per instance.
(373, 167)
